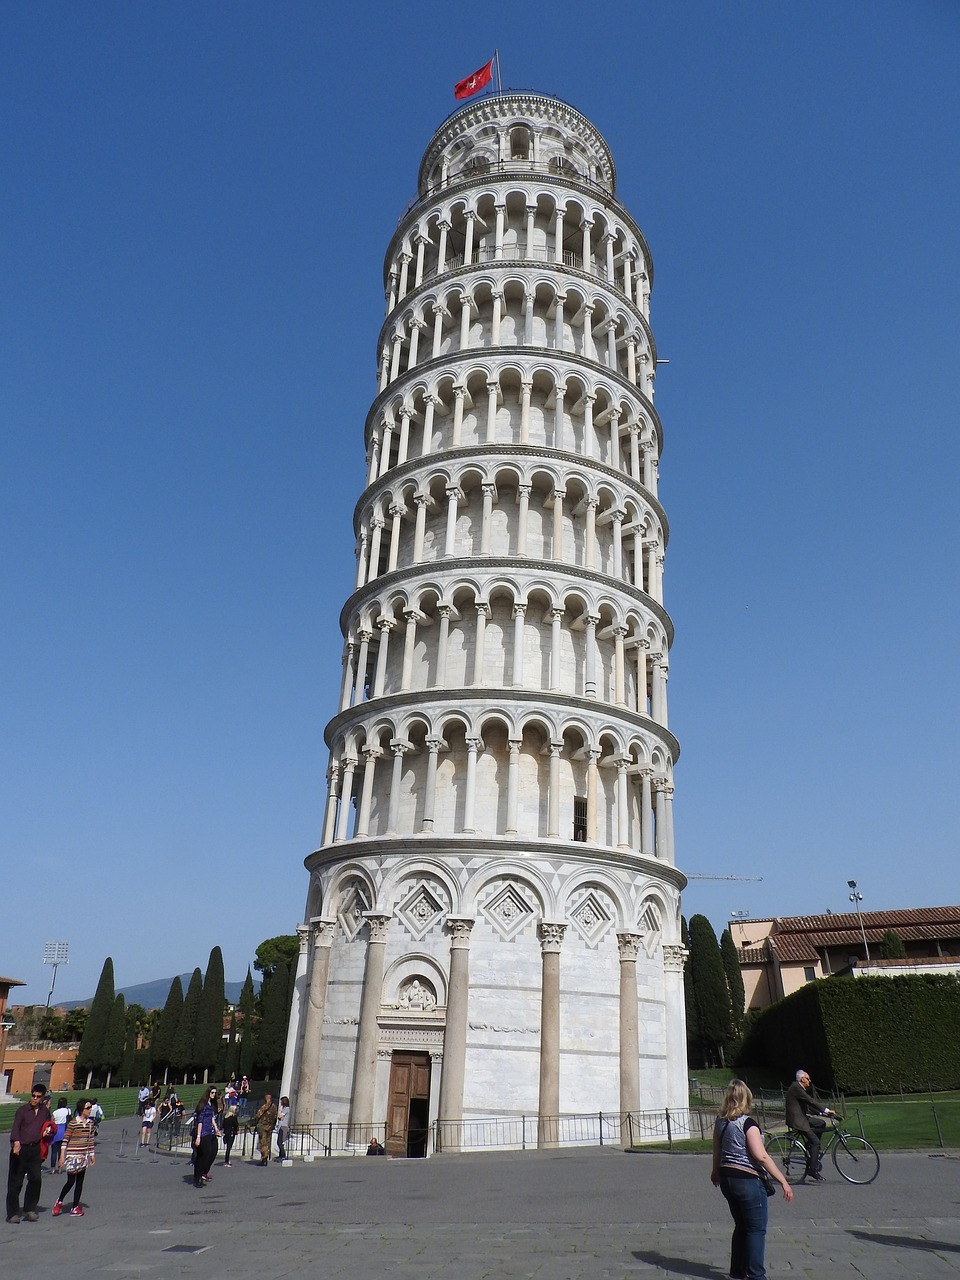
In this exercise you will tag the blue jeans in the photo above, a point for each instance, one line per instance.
(748, 1208)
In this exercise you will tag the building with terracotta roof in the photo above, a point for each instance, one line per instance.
(777, 956)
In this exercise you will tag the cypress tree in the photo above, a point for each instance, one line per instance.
(272, 1034)
(90, 1053)
(210, 1017)
(891, 946)
(112, 1054)
(731, 969)
(181, 1053)
(689, 1002)
(248, 1026)
(709, 990)
(137, 1018)
(162, 1042)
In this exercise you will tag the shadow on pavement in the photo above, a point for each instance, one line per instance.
(908, 1242)
(679, 1266)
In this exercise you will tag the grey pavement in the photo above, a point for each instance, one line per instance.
(596, 1214)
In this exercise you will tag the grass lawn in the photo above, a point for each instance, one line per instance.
(123, 1102)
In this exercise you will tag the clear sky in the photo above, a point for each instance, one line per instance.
(194, 207)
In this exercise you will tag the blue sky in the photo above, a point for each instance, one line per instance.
(195, 205)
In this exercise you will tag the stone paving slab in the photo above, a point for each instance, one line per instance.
(586, 1214)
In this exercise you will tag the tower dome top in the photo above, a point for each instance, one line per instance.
(516, 131)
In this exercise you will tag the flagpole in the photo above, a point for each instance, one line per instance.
(496, 54)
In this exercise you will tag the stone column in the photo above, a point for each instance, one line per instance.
(493, 391)
(557, 539)
(295, 1020)
(525, 390)
(330, 816)
(362, 659)
(420, 527)
(443, 637)
(459, 396)
(660, 835)
(523, 491)
(646, 813)
(590, 537)
(483, 613)
(519, 616)
(513, 785)
(346, 793)
(489, 490)
(590, 656)
(551, 940)
(434, 746)
(453, 498)
(555, 616)
(674, 958)
(346, 683)
(623, 819)
(453, 1071)
(368, 1036)
(629, 945)
(553, 787)
(399, 749)
(474, 745)
(396, 515)
(430, 403)
(412, 616)
(593, 755)
(304, 1095)
(373, 564)
(371, 756)
(385, 625)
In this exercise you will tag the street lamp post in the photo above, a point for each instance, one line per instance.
(856, 897)
(55, 953)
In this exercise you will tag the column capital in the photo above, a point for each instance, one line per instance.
(371, 753)
(551, 935)
(303, 937)
(435, 745)
(674, 958)
(474, 744)
(482, 607)
(520, 610)
(460, 928)
(324, 931)
(629, 945)
(378, 922)
(386, 624)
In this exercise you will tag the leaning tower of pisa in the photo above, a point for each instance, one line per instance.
(491, 936)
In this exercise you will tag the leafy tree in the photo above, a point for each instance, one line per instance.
(247, 1021)
(731, 969)
(75, 1022)
(275, 1009)
(90, 1053)
(210, 1017)
(111, 1055)
(161, 1043)
(182, 1059)
(283, 949)
(709, 991)
(891, 946)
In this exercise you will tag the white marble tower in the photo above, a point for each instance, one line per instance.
(492, 922)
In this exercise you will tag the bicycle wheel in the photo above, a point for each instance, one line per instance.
(855, 1159)
(791, 1155)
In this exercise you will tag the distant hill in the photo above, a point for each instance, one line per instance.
(153, 995)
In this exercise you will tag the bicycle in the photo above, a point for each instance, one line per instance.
(854, 1158)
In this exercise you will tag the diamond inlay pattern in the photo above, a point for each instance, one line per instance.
(508, 910)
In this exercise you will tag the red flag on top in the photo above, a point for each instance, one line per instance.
(473, 84)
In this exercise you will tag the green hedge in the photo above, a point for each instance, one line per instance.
(855, 1035)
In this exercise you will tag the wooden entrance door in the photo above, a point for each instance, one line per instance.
(408, 1104)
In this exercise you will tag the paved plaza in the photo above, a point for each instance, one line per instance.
(599, 1214)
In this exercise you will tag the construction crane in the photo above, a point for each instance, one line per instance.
(694, 876)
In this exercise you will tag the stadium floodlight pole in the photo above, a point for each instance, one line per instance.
(856, 898)
(55, 953)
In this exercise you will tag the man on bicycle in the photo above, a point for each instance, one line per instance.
(806, 1113)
